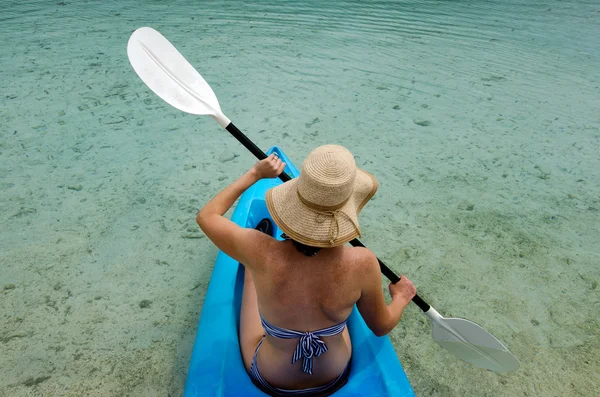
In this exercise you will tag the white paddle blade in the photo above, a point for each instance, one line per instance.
(471, 343)
(166, 72)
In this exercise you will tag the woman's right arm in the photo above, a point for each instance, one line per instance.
(380, 317)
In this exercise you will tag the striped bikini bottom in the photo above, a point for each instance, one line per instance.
(318, 391)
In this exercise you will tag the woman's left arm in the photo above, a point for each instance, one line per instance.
(239, 243)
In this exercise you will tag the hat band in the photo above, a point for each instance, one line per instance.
(331, 211)
(323, 208)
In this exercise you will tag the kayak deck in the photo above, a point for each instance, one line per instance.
(216, 367)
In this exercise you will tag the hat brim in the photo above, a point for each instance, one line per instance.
(312, 228)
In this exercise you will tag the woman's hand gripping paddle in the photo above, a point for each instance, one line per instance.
(166, 72)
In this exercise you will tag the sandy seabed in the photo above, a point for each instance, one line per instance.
(484, 137)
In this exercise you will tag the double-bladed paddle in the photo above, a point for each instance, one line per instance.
(166, 72)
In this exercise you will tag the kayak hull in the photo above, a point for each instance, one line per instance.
(216, 367)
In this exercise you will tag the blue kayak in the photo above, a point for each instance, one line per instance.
(216, 367)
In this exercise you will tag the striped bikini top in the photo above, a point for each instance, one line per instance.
(310, 344)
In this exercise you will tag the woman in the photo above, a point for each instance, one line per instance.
(298, 293)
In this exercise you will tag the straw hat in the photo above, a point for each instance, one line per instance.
(320, 208)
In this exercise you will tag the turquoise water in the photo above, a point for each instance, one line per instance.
(480, 120)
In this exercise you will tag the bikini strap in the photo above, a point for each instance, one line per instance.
(310, 344)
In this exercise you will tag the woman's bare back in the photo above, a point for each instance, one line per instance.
(303, 293)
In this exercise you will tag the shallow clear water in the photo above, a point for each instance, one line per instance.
(480, 120)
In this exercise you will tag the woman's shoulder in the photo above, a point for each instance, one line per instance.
(361, 256)
(364, 263)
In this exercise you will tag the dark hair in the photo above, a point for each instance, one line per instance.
(304, 249)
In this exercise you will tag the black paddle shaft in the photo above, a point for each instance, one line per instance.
(259, 154)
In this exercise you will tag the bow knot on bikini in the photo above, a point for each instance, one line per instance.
(308, 347)
(310, 344)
